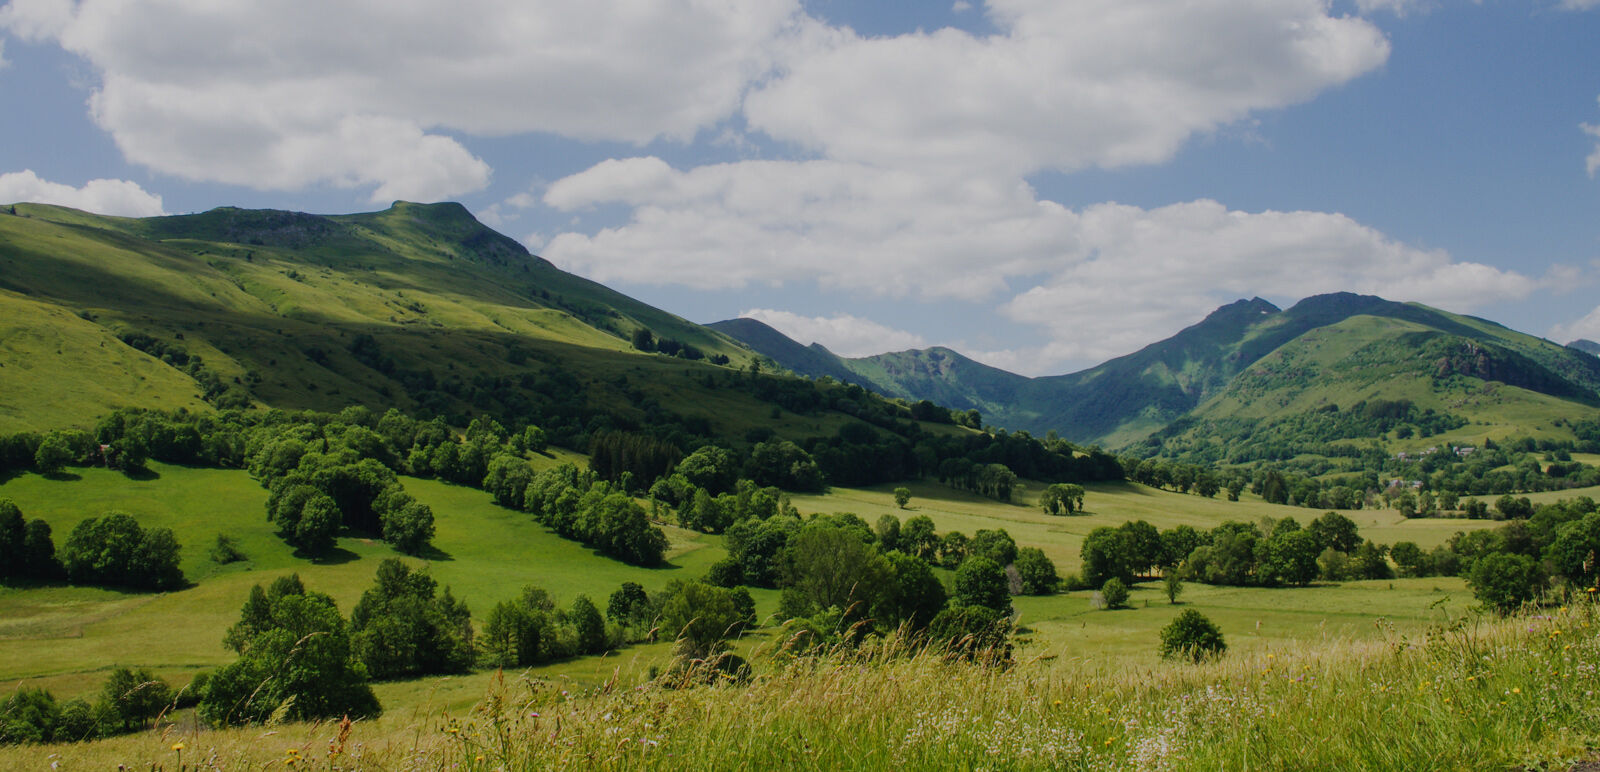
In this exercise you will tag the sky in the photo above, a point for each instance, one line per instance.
(1039, 184)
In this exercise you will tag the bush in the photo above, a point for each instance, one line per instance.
(225, 551)
(1114, 593)
(1193, 637)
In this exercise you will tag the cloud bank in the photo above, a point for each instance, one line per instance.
(112, 197)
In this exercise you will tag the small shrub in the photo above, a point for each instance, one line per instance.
(226, 550)
(1115, 593)
(1193, 637)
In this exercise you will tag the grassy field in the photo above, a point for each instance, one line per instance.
(67, 638)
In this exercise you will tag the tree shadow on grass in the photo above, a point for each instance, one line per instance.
(433, 554)
(141, 474)
(62, 476)
(337, 556)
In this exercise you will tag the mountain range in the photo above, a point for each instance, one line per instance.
(422, 307)
(1241, 358)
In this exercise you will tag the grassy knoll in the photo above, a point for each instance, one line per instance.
(1486, 694)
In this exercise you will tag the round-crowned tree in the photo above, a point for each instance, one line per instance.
(982, 582)
(1114, 593)
(1193, 637)
(1506, 580)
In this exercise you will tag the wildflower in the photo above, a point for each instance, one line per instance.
(1516, 690)
(178, 746)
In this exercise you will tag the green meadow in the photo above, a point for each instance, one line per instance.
(67, 638)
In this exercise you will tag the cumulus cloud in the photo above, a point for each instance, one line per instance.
(843, 334)
(845, 226)
(113, 197)
(1096, 282)
(284, 95)
(1586, 327)
(1063, 85)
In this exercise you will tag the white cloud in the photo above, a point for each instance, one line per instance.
(1142, 274)
(961, 6)
(846, 226)
(1097, 282)
(1065, 85)
(358, 93)
(1593, 162)
(842, 334)
(1579, 5)
(1586, 327)
(1400, 8)
(112, 197)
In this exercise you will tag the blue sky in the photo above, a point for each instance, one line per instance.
(1041, 184)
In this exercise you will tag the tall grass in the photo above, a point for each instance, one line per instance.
(1475, 694)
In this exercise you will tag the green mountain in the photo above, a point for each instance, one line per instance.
(418, 306)
(1242, 360)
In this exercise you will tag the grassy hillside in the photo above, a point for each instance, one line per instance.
(1251, 358)
(418, 306)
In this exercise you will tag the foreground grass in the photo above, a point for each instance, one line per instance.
(1474, 694)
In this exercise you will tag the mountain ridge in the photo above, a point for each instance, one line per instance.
(1123, 400)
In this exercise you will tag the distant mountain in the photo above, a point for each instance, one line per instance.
(1228, 362)
(1585, 345)
(812, 361)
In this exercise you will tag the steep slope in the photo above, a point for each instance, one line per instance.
(418, 306)
(814, 361)
(939, 375)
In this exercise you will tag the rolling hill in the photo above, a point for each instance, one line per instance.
(418, 307)
(1240, 358)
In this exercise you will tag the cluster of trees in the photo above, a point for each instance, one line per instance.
(129, 701)
(295, 662)
(1553, 549)
(701, 618)
(1062, 498)
(579, 506)
(27, 552)
(325, 479)
(840, 578)
(108, 551)
(1242, 554)
(645, 340)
